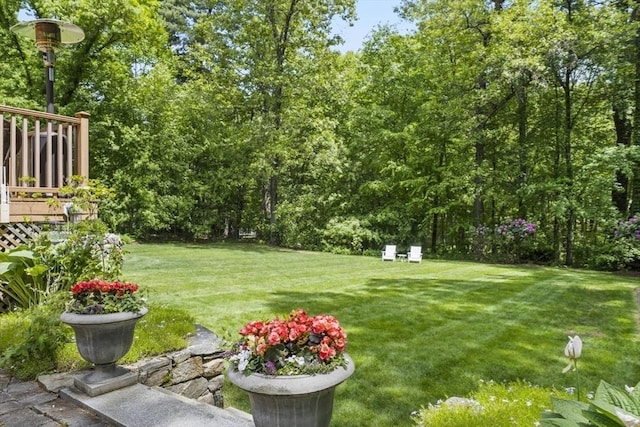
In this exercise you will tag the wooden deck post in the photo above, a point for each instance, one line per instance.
(83, 144)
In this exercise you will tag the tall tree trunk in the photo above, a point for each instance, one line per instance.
(436, 202)
(523, 153)
(478, 205)
(280, 32)
(434, 229)
(273, 197)
(481, 112)
(484, 112)
(568, 127)
(623, 127)
(635, 185)
(556, 176)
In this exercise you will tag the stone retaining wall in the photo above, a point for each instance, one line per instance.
(196, 372)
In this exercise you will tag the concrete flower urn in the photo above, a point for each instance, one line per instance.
(102, 339)
(291, 401)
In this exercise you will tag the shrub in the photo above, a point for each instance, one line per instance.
(348, 235)
(617, 248)
(297, 223)
(629, 229)
(88, 251)
(372, 252)
(609, 255)
(493, 404)
(11, 326)
(626, 242)
(510, 241)
(34, 341)
(32, 350)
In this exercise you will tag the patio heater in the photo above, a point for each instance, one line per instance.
(49, 35)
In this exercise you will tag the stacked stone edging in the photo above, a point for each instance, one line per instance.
(196, 372)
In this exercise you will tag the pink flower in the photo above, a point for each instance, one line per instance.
(252, 328)
(298, 337)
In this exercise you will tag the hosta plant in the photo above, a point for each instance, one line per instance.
(611, 407)
(22, 279)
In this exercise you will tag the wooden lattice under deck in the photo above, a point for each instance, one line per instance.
(16, 234)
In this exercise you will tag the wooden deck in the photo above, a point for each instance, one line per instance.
(41, 152)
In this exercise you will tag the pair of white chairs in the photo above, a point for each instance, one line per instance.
(414, 254)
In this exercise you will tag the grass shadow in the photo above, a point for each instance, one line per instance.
(438, 338)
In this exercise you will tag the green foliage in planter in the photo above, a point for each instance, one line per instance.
(611, 407)
(23, 278)
(85, 197)
(493, 404)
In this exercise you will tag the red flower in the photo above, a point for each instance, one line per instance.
(252, 328)
(97, 296)
(99, 285)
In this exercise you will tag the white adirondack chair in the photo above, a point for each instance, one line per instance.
(389, 253)
(415, 254)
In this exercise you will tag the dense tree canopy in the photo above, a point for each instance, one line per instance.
(210, 117)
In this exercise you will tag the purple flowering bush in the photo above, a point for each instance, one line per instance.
(509, 241)
(514, 229)
(623, 249)
(618, 246)
(629, 229)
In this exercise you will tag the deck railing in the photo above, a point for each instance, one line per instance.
(41, 151)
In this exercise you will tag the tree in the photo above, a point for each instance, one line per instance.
(583, 33)
(268, 36)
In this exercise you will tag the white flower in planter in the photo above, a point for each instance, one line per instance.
(242, 358)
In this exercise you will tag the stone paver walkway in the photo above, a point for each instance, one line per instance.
(26, 403)
(53, 402)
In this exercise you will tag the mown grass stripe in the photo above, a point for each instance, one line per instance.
(417, 332)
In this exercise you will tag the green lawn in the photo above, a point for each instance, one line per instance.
(417, 332)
